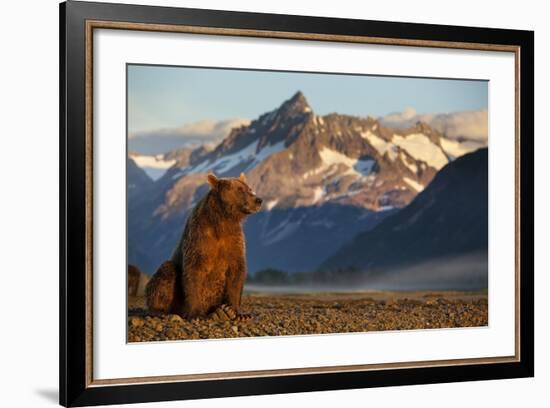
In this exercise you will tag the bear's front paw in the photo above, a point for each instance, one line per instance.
(227, 313)
(223, 313)
(244, 317)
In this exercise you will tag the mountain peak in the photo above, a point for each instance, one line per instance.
(299, 97)
(296, 105)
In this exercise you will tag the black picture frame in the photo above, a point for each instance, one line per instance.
(75, 386)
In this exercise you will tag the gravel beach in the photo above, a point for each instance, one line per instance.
(318, 313)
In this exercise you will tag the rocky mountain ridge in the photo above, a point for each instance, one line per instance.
(300, 164)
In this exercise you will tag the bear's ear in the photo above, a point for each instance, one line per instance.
(213, 180)
(242, 177)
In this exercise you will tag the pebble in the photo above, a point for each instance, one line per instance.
(136, 322)
(175, 319)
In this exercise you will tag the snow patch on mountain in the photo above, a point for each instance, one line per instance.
(455, 148)
(414, 184)
(411, 166)
(318, 194)
(226, 163)
(270, 204)
(268, 151)
(355, 166)
(154, 166)
(421, 148)
(381, 146)
(248, 154)
(313, 172)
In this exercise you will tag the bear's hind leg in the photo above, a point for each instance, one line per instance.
(161, 290)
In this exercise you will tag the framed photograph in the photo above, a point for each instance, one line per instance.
(256, 204)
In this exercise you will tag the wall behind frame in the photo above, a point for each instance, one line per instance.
(29, 202)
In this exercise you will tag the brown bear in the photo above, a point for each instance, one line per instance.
(136, 281)
(207, 269)
(133, 280)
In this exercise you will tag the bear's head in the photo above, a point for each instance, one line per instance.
(235, 195)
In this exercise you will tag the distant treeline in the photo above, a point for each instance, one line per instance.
(271, 276)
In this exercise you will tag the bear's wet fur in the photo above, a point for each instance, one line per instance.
(208, 266)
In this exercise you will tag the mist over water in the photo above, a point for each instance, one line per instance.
(466, 272)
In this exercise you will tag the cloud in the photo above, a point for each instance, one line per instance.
(471, 125)
(408, 115)
(192, 134)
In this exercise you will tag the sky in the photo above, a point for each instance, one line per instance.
(165, 97)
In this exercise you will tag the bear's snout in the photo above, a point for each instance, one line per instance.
(258, 201)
